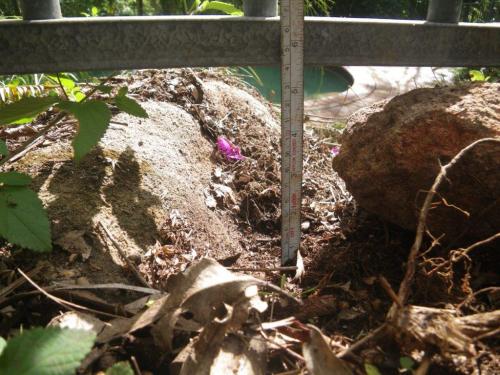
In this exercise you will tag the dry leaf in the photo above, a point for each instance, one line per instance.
(320, 360)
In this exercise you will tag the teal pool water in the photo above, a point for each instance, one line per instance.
(317, 80)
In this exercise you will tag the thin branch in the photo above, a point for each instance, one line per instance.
(62, 87)
(462, 253)
(404, 289)
(262, 269)
(132, 267)
(133, 288)
(60, 301)
(365, 340)
(20, 281)
(390, 292)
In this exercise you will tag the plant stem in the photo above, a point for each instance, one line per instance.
(62, 87)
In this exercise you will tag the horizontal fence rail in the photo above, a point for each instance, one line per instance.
(110, 43)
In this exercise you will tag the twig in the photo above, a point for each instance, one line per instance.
(262, 269)
(404, 289)
(462, 253)
(135, 365)
(492, 333)
(278, 290)
(390, 292)
(62, 87)
(359, 344)
(132, 267)
(107, 286)
(475, 294)
(289, 351)
(20, 281)
(60, 301)
(424, 366)
(41, 133)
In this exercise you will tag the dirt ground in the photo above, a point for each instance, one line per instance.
(158, 193)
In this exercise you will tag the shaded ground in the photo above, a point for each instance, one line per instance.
(169, 198)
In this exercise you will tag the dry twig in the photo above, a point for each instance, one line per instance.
(124, 256)
(60, 301)
(404, 289)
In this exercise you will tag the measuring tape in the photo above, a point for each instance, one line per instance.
(292, 115)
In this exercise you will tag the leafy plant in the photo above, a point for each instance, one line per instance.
(23, 220)
(45, 351)
(490, 74)
(203, 6)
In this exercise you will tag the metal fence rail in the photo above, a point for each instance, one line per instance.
(111, 43)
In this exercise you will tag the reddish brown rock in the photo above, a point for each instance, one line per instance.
(391, 153)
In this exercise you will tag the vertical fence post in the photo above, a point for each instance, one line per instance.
(41, 9)
(260, 8)
(444, 11)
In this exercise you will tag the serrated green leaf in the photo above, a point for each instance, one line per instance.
(46, 351)
(3, 344)
(14, 179)
(23, 220)
(4, 151)
(406, 363)
(25, 109)
(120, 368)
(371, 369)
(93, 117)
(130, 106)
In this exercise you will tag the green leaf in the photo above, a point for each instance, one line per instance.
(23, 220)
(371, 369)
(67, 83)
(123, 91)
(46, 351)
(3, 344)
(476, 76)
(77, 95)
(93, 117)
(120, 368)
(130, 106)
(25, 109)
(4, 151)
(406, 363)
(14, 179)
(223, 7)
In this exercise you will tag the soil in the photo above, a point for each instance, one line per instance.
(167, 197)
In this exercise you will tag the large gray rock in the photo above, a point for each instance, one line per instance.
(391, 153)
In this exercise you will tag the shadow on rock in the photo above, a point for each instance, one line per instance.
(77, 192)
(130, 203)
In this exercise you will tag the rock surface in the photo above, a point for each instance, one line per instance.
(391, 153)
(146, 175)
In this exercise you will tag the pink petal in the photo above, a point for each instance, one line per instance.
(230, 151)
(335, 150)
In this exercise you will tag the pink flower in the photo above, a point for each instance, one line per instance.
(335, 150)
(230, 151)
